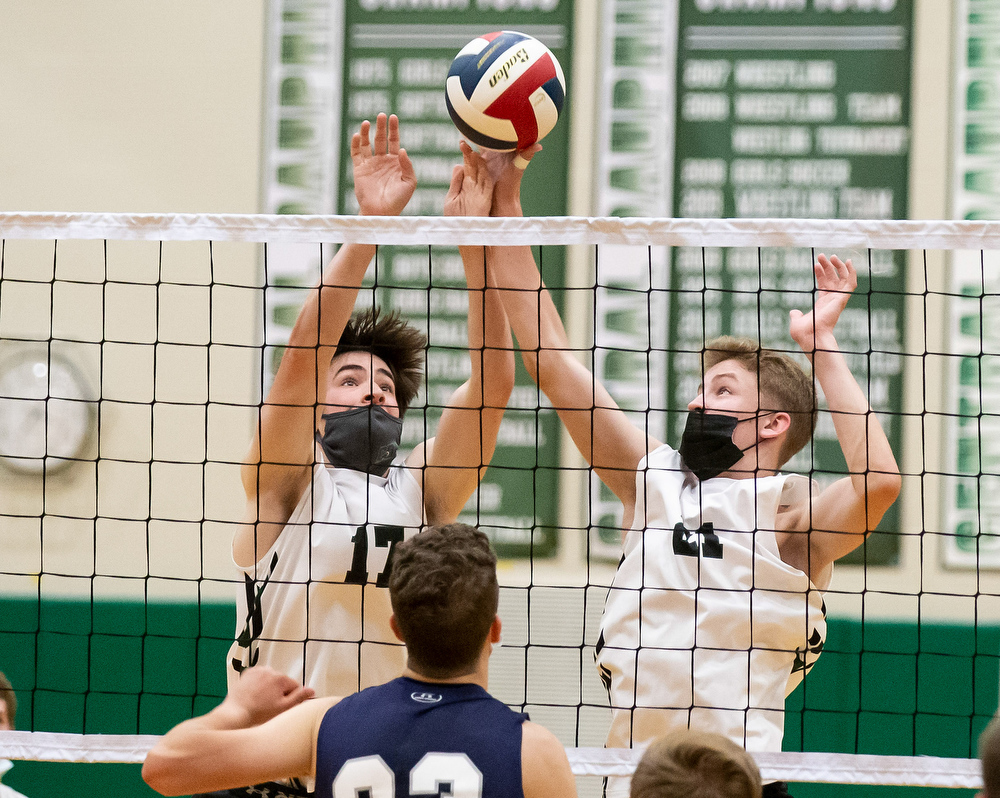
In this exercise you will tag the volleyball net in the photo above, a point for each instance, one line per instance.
(136, 350)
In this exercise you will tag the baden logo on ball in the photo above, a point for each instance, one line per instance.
(505, 91)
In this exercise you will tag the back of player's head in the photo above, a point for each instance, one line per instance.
(989, 755)
(444, 594)
(9, 699)
(387, 336)
(695, 764)
(782, 383)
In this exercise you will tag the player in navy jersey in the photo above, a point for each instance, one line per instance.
(434, 730)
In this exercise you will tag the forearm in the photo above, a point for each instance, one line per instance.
(339, 291)
(490, 344)
(870, 461)
(526, 300)
(183, 757)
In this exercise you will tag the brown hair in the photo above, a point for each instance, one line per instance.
(781, 382)
(989, 755)
(389, 337)
(695, 764)
(444, 595)
(9, 697)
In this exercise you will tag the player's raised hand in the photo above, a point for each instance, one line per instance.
(260, 693)
(384, 179)
(835, 282)
(471, 189)
(507, 169)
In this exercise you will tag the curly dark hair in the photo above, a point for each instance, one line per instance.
(388, 336)
(444, 594)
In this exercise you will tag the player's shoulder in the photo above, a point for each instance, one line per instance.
(540, 745)
(661, 457)
(544, 764)
(795, 501)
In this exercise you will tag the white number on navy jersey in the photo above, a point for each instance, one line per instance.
(436, 774)
(446, 774)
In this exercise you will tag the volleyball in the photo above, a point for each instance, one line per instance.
(505, 90)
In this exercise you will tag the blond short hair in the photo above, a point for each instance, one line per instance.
(782, 383)
(695, 764)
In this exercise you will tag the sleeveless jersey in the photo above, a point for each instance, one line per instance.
(316, 604)
(5, 791)
(705, 626)
(409, 737)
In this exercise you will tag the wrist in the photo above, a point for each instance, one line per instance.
(231, 714)
(507, 208)
(818, 344)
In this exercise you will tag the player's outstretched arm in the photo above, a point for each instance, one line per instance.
(545, 770)
(843, 514)
(601, 430)
(265, 729)
(279, 465)
(457, 456)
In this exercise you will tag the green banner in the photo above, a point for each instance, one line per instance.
(800, 113)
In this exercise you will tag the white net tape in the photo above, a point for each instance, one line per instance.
(838, 233)
(784, 766)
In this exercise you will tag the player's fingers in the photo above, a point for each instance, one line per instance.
(484, 179)
(393, 133)
(825, 269)
(523, 157)
(457, 176)
(406, 167)
(471, 163)
(843, 274)
(819, 272)
(381, 134)
(364, 141)
(852, 275)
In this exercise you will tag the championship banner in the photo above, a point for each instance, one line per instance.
(972, 488)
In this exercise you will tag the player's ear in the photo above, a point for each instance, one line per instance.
(395, 628)
(774, 424)
(495, 631)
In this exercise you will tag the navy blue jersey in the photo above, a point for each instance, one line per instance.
(409, 738)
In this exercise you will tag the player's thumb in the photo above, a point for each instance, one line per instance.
(523, 157)
(406, 167)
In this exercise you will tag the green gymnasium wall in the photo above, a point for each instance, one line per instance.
(926, 690)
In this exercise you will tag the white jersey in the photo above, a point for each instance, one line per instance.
(316, 605)
(5, 791)
(705, 625)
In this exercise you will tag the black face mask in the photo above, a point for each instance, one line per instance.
(363, 439)
(707, 446)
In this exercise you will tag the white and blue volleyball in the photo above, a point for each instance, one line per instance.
(505, 90)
